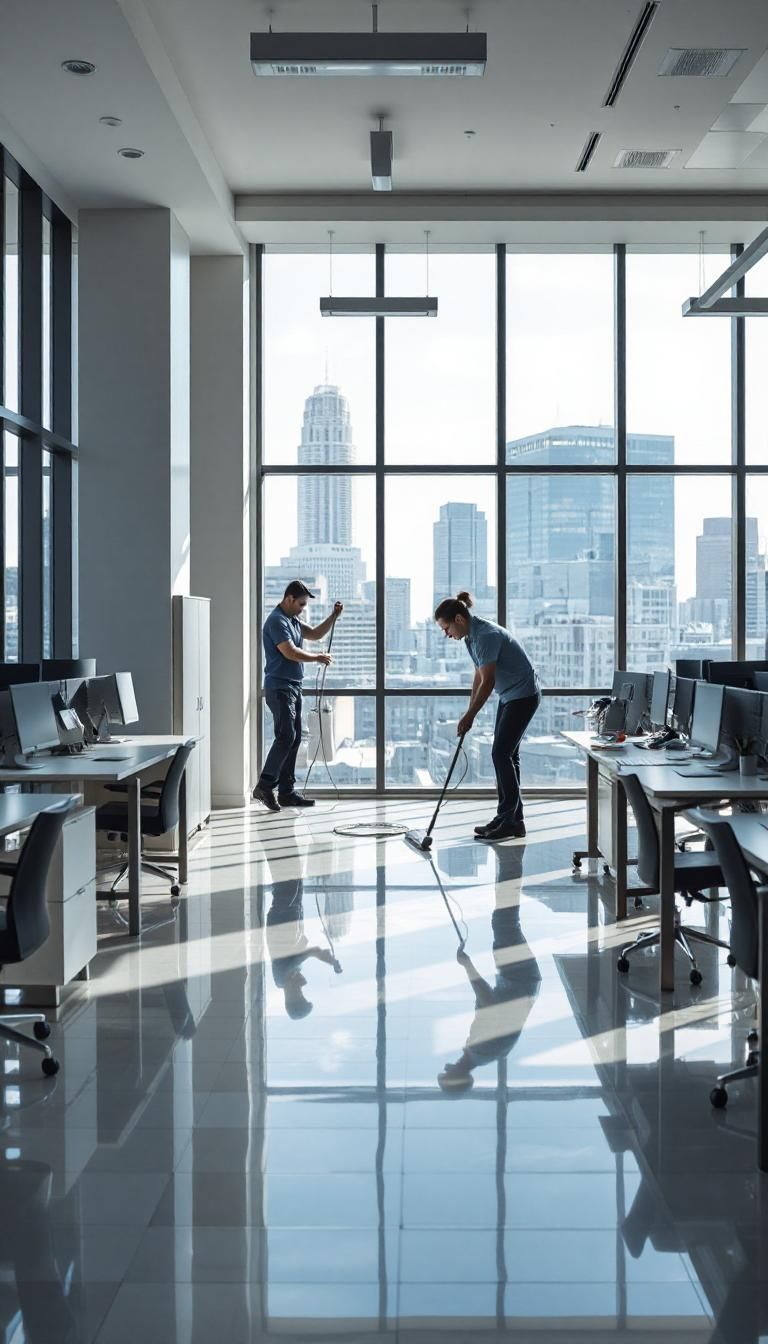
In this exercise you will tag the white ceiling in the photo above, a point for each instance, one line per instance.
(296, 151)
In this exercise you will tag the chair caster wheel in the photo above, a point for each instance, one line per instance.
(638, 902)
(696, 977)
(719, 1098)
(50, 1066)
(622, 964)
(41, 1031)
(576, 862)
(731, 960)
(175, 889)
(752, 1038)
(753, 1058)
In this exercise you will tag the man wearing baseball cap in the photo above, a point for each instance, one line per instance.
(284, 659)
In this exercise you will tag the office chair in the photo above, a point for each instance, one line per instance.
(694, 872)
(24, 924)
(745, 893)
(159, 815)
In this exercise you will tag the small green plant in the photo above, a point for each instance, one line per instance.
(745, 746)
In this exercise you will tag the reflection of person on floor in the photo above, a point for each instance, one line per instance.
(289, 947)
(501, 1008)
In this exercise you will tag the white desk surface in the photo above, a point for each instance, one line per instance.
(94, 765)
(19, 810)
(659, 774)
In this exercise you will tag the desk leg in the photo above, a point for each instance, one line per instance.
(762, 1027)
(620, 856)
(183, 830)
(592, 851)
(666, 827)
(134, 855)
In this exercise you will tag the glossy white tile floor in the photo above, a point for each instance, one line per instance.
(209, 1166)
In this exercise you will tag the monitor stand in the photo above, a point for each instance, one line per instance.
(22, 762)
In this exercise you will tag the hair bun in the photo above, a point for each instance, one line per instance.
(465, 598)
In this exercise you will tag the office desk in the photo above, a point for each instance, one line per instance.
(76, 772)
(668, 793)
(19, 810)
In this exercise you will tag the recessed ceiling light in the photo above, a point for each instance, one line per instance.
(131, 153)
(78, 67)
(111, 121)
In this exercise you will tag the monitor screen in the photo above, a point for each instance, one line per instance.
(685, 690)
(638, 703)
(660, 699)
(129, 712)
(742, 715)
(707, 715)
(59, 669)
(761, 681)
(35, 717)
(13, 674)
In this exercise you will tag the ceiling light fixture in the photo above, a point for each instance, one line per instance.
(376, 305)
(628, 56)
(78, 67)
(590, 146)
(381, 159)
(110, 121)
(312, 55)
(129, 153)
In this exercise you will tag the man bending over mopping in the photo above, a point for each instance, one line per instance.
(284, 659)
(501, 664)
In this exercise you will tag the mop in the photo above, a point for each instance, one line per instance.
(422, 840)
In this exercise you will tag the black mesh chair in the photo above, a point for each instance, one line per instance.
(159, 815)
(745, 893)
(24, 924)
(694, 873)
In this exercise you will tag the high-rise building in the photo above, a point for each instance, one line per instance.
(325, 502)
(712, 602)
(460, 555)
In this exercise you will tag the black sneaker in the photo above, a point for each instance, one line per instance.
(505, 830)
(266, 796)
(482, 831)
(295, 800)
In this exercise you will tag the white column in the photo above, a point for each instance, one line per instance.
(134, 446)
(220, 507)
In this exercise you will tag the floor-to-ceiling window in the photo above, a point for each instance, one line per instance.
(38, 462)
(559, 441)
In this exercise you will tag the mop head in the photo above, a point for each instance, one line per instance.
(419, 839)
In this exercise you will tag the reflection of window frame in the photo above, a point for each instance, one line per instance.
(621, 471)
(35, 438)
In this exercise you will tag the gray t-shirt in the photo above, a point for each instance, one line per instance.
(516, 677)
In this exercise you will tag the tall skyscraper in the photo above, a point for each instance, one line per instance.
(460, 553)
(713, 578)
(325, 502)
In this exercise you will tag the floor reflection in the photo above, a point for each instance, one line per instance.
(355, 1093)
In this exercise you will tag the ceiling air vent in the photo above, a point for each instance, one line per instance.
(627, 59)
(590, 146)
(702, 62)
(644, 158)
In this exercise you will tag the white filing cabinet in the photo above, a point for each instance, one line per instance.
(71, 943)
(192, 699)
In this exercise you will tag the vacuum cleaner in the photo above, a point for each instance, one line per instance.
(422, 840)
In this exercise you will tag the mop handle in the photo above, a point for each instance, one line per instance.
(431, 825)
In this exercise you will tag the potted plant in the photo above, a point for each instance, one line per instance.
(745, 746)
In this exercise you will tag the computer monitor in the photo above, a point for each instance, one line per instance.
(736, 674)
(639, 702)
(112, 696)
(660, 698)
(682, 712)
(60, 669)
(742, 715)
(14, 674)
(707, 715)
(761, 681)
(693, 668)
(35, 719)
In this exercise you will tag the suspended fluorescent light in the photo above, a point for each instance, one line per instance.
(374, 306)
(312, 55)
(381, 160)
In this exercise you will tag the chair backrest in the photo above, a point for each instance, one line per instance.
(742, 889)
(648, 865)
(27, 925)
(168, 802)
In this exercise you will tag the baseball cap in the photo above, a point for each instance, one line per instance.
(298, 589)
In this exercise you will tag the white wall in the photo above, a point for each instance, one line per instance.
(220, 506)
(134, 445)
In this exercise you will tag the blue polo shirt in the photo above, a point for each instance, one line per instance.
(280, 672)
(516, 677)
